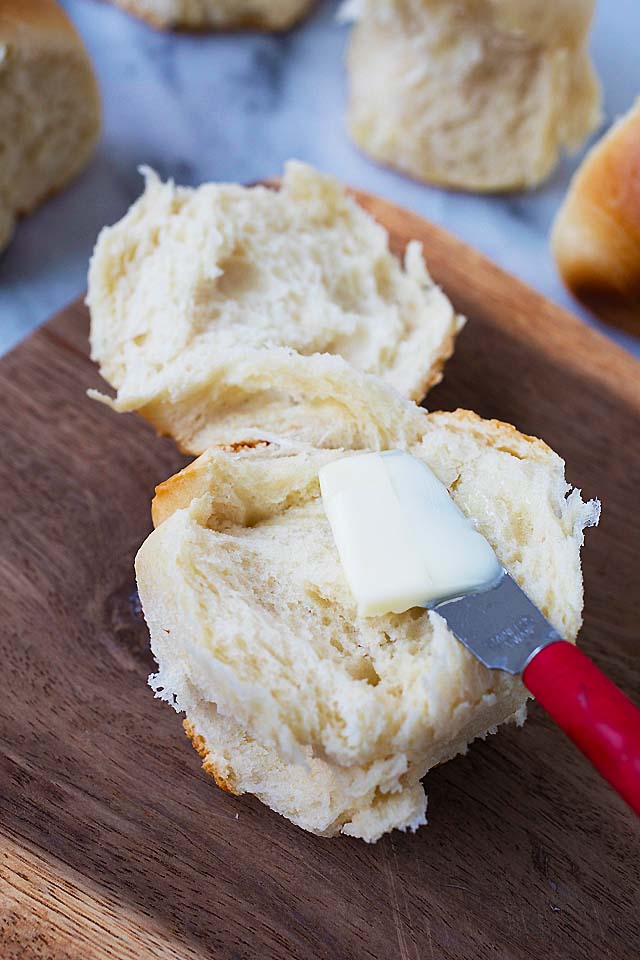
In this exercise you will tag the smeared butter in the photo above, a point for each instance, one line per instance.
(401, 539)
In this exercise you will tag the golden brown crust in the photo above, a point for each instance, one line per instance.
(192, 481)
(246, 22)
(178, 491)
(223, 780)
(501, 435)
(596, 234)
(42, 16)
(435, 373)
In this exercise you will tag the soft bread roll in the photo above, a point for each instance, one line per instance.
(218, 14)
(228, 307)
(596, 234)
(476, 95)
(328, 718)
(49, 106)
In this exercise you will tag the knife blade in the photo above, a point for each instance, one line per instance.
(504, 629)
(499, 625)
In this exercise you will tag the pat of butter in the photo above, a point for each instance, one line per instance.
(402, 540)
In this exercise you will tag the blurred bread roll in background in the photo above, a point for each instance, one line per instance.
(218, 14)
(49, 106)
(476, 95)
(596, 234)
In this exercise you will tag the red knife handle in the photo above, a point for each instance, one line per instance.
(598, 717)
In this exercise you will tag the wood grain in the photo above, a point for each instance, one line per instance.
(116, 845)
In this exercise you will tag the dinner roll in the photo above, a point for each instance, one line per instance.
(596, 234)
(49, 106)
(475, 95)
(330, 718)
(225, 307)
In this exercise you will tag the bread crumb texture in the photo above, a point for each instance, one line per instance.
(476, 95)
(225, 307)
(331, 719)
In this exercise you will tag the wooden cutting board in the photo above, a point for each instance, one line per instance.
(116, 845)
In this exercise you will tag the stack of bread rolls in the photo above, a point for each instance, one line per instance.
(269, 332)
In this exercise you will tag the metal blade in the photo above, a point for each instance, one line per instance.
(500, 626)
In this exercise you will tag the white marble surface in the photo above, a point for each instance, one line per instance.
(235, 107)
